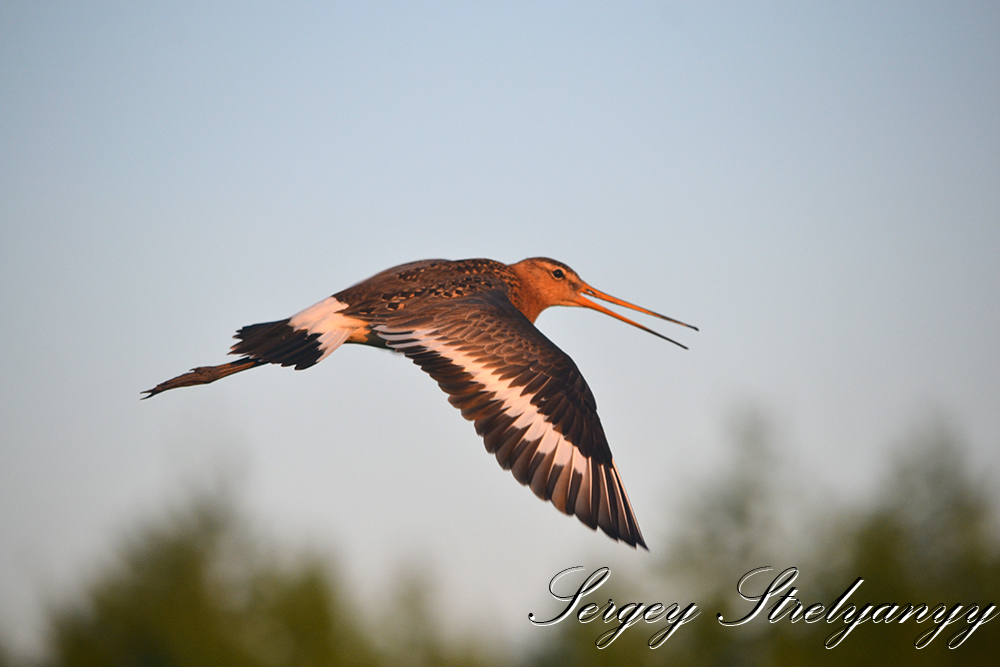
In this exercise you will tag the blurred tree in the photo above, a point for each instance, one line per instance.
(195, 592)
(198, 591)
(409, 634)
(574, 643)
(929, 537)
(733, 522)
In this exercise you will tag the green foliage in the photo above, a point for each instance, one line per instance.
(198, 590)
(929, 538)
(194, 592)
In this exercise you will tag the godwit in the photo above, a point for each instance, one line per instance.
(470, 325)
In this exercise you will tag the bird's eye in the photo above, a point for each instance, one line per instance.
(558, 274)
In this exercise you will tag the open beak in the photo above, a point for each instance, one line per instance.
(587, 303)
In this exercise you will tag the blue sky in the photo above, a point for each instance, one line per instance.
(816, 187)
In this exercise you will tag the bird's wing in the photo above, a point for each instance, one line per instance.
(527, 399)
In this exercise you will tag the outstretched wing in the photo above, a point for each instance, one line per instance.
(527, 399)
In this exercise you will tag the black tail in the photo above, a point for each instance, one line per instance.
(266, 343)
(278, 343)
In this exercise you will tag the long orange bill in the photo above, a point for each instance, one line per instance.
(590, 291)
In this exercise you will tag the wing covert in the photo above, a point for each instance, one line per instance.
(527, 399)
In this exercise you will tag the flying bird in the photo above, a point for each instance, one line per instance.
(469, 324)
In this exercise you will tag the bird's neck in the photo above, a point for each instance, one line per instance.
(528, 301)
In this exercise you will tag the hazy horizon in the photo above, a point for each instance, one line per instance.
(815, 188)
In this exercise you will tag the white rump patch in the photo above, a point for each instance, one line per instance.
(324, 318)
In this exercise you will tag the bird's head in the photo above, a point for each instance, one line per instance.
(545, 282)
